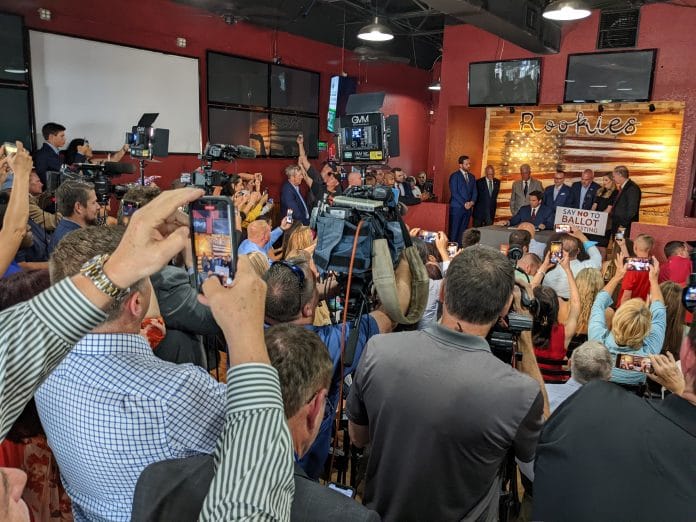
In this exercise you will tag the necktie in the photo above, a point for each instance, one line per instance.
(533, 213)
(466, 177)
(525, 189)
(490, 187)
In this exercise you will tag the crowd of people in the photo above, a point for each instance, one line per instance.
(111, 356)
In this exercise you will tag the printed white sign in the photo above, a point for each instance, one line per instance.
(588, 221)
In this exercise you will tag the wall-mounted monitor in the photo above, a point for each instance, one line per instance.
(610, 77)
(508, 82)
(294, 89)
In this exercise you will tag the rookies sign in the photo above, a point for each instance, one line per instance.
(589, 221)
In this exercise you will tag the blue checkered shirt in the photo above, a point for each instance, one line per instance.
(112, 407)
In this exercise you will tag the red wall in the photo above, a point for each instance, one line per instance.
(155, 25)
(668, 28)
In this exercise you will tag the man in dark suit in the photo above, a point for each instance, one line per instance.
(405, 191)
(487, 189)
(291, 198)
(558, 194)
(583, 192)
(462, 184)
(48, 156)
(536, 213)
(175, 489)
(627, 206)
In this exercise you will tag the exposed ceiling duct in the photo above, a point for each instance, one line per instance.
(517, 21)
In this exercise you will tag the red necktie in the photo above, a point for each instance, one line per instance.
(533, 213)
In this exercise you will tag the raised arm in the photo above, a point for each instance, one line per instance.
(571, 323)
(14, 227)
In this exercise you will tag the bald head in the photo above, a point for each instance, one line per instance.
(354, 179)
(529, 227)
(257, 232)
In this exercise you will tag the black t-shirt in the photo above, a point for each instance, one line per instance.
(608, 455)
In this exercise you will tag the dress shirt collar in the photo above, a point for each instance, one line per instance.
(457, 339)
(112, 343)
(53, 148)
(297, 189)
(572, 383)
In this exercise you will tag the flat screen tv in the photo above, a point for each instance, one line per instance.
(508, 82)
(610, 77)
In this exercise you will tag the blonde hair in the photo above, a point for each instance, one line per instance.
(589, 282)
(631, 323)
(299, 239)
(605, 192)
(259, 262)
(674, 333)
(645, 241)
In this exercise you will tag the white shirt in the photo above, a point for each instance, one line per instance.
(558, 280)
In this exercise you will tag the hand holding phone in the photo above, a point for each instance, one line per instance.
(638, 264)
(213, 239)
(10, 148)
(562, 228)
(634, 363)
(556, 251)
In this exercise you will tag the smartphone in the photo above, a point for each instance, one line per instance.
(343, 490)
(10, 148)
(619, 235)
(452, 249)
(638, 264)
(213, 239)
(128, 208)
(563, 228)
(634, 363)
(556, 251)
(288, 217)
(427, 236)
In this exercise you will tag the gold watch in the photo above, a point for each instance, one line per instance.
(94, 271)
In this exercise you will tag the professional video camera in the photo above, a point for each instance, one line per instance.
(205, 176)
(99, 174)
(504, 335)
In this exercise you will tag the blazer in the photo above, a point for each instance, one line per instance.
(517, 198)
(46, 159)
(627, 206)
(461, 191)
(485, 206)
(544, 216)
(575, 191)
(564, 198)
(175, 490)
(290, 198)
(316, 503)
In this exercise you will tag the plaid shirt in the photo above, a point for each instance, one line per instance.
(111, 408)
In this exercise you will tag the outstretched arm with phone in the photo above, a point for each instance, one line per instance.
(14, 226)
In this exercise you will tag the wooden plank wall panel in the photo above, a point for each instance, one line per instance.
(580, 137)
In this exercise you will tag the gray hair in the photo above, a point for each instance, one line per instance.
(591, 361)
(291, 170)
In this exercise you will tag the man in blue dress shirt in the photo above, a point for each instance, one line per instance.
(77, 202)
(558, 194)
(291, 197)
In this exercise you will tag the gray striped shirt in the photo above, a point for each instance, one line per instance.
(254, 456)
(34, 337)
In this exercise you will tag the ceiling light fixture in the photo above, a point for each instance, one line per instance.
(566, 10)
(16, 70)
(376, 32)
(435, 86)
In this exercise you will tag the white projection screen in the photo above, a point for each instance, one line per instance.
(99, 91)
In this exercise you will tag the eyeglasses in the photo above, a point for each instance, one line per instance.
(299, 273)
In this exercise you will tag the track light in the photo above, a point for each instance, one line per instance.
(435, 86)
(512, 110)
(566, 10)
(376, 32)
(559, 108)
(651, 107)
(600, 108)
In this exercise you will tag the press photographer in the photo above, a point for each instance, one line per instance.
(444, 386)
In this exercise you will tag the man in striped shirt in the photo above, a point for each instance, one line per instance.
(37, 334)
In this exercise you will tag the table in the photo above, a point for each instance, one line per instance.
(495, 235)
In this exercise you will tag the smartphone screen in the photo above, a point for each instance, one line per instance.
(619, 235)
(343, 490)
(556, 251)
(638, 264)
(427, 236)
(562, 228)
(634, 363)
(10, 148)
(213, 239)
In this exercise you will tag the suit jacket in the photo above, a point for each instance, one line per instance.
(175, 490)
(575, 191)
(564, 198)
(484, 209)
(518, 199)
(461, 191)
(314, 502)
(290, 198)
(627, 206)
(544, 216)
(46, 159)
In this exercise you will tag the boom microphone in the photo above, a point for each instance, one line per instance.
(246, 152)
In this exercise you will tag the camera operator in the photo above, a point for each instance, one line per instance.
(433, 402)
(77, 202)
(292, 297)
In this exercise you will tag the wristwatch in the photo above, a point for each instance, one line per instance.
(94, 271)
